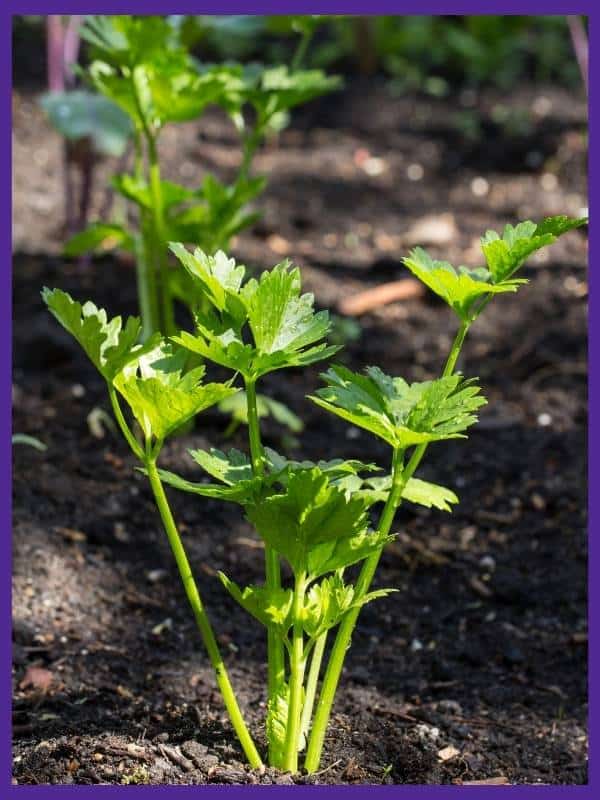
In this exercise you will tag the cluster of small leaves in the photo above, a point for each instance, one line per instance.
(462, 287)
(140, 66)
(272, 91)
(237, 483)
(315, 516)
(400, 413)
(152, 377)
(107, 344)
(285, 330)
(325, 603)
(162, 395)
(210, 215)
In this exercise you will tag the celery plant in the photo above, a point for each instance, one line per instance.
(314, 518)
(141, 65)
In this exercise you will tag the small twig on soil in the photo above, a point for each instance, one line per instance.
(499, 780)
(400, 715)
(176, 757)
(327, 769)
(371, 299)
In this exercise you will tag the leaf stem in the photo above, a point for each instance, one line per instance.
(456, 347)
(297, 665)
(146, 287)
(300, 53)
(400, 477)
(164, 291)
(125, 429)
(275, 648)
(256, 450)
(249, 147)
(342, 640)
(312, 682)
(145, 272)
(202, 621)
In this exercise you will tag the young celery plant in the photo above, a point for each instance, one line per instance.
(284, 331)
(313, 517)
(162, 398)
(304, 512)
(141, 65)
(467, 292)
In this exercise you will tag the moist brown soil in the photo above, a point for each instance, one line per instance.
(476, 669)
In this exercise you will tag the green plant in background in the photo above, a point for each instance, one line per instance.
(141, 65)
(425, 53)
(434, 53)
(315, 519)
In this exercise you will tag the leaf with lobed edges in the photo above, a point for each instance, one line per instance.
(400, 413)
(108, 344)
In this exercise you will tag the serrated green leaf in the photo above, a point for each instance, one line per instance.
(240, 493)
(141, 68)
(505, 254)
(342, 553)
(423, 493)
(400, 413)
(161, 396)
(232, 469)
(284, 326)
(229, 468)
(139, 192)
(336, 469)
(220, 280)
(559, 225)
(225, 349)
(268, 606)
(280, 318)
(458, 287)
(273, 90)
(127, 39)
(325, 604)
(107, 344)
(309, 512)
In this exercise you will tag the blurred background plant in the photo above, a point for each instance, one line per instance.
(116, 82)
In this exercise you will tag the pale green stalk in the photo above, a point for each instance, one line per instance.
(300, 53)
(202, 621)
(275, 653)
(312, 683)
(400, 476)
(148, 457)
(164, 290)
(297, 665)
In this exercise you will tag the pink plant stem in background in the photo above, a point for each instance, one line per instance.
(71, 48)
(55, 38)
(55, 35)
(580, 45)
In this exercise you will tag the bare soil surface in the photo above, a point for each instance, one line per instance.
(476, 669)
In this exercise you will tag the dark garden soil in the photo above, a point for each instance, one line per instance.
(476, 669)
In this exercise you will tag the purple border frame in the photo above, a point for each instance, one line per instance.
(431, 7)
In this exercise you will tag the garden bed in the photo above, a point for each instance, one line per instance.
(477, 668)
